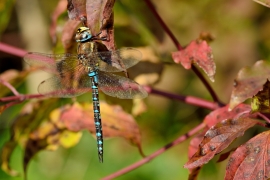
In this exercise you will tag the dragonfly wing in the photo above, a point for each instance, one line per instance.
(53, 63)
(67, 85)
(119, 60)
(120, 87)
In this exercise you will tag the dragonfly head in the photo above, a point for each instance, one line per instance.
(83, 34)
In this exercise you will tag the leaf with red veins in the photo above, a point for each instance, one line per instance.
(249, 81)
(218, 138)
(251, 160)
(197, 52)
(224, 113)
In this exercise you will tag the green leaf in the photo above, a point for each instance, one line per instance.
(5, 157)
(5, 13)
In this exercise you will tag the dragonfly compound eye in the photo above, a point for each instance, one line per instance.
(86, 36)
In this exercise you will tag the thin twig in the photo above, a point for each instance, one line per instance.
(21, 97)
(264, 117)
(262, 124)
(12, 50)
(9, 105)
(207, 85)
(162, 23)
(157, 153)
(9, 86)
(187, 99)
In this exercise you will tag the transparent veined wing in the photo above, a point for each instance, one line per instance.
(119, 60)
(109, 61)
(52, 63)
(70, 84)
(120, 87)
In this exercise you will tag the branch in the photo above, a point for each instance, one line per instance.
(21, 97)
(207, 85)
(179, 47)
(162, 23)
(187, 99)
(12, 50)
(264, 117)
(155, 154)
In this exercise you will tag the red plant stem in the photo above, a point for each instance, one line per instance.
(11, 104)
(12, 50)
(165, 27)
(187, 99)
(20, 97)
(207, 85)
(157, 153)
(9, 86)
(179, 47)
(264, 117)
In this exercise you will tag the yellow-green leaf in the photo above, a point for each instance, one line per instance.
(261, 101)
(5, 157)
(69, 138)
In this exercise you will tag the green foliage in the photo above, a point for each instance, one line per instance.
(6, 7)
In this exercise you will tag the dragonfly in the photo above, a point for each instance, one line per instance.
(89, 70)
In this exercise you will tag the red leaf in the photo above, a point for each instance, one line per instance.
(249, 81)
(76, 9)
(218, 138)
(251, 160)
(68, 33)
(100, 18)
(193, 145)
(215, 117)
(197, 52)
(223, 113)
(115, 121)
(225, 155)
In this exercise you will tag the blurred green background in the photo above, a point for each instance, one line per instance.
(241, 31)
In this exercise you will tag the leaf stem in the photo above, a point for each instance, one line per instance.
(157, 153)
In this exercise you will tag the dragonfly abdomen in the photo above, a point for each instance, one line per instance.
(96, 109)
